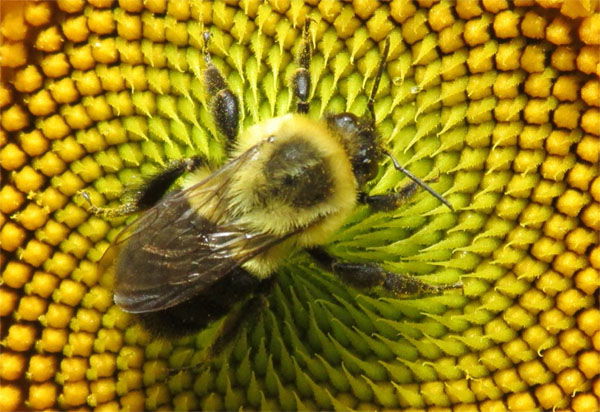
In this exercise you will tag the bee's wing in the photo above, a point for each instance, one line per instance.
(174, 250)
(207, 194)
(159, 275)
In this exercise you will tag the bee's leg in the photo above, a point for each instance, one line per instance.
(371, 277)
(224, 105)
(301, 77)
(389, 201)
(233, 323)
(148, 193)
(392, 200)
(231, 326)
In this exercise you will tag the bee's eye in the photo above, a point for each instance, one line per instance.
(344, 123)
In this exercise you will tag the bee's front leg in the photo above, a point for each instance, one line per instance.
(149, 193)
(368, 276)
(301, 77)
(392, 200)
(224, 105)
(389, 201)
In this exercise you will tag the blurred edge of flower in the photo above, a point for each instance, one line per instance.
(499, 98)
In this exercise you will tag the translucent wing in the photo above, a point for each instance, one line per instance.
(175, 250)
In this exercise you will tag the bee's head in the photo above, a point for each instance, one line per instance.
(360, 140)
(358, 134)
(361, 143)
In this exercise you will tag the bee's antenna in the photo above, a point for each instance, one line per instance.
(382, 62)
(418, 181)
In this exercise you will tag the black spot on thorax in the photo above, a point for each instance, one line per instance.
(298, 174)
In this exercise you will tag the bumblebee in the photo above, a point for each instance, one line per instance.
(211, 247)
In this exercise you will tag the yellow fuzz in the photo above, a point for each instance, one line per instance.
(309, 225)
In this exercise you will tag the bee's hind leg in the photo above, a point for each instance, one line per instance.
(245, 312)
(371, 277)
(301, 77)
(150, 192)
(230, 328)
